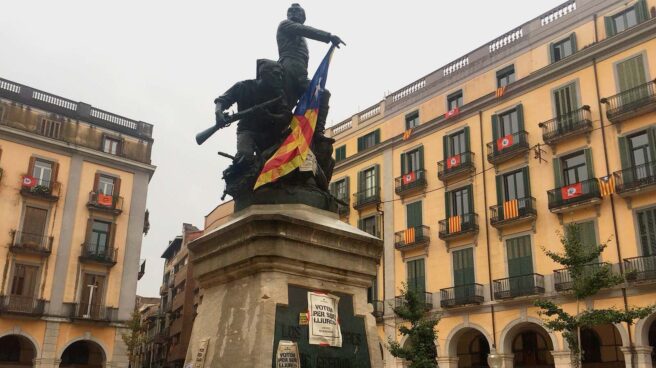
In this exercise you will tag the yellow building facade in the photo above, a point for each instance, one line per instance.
(73, 185)
(470, 173)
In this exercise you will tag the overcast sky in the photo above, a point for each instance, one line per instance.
(163, 62)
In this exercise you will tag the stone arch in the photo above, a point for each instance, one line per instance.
(35, 344)
(22, 340)
(509, 331)
(451, 346)
(103, 349)
(624, 334)
(642, 330)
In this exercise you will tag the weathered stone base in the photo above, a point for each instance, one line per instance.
(246, 266)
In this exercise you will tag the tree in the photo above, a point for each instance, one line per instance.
(420, 351)
(588, 277)
(133, 337)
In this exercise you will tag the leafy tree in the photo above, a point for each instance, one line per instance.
(587, 278)
(420, 351)
(133, 337)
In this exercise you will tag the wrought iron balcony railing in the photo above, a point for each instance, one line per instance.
(631, 103)
(415, 180)
(412, 237)
(44, 189)
(566, 125)
(640, 268)
(575, 194)
(93, 312)
(26, 242)
(94, 253)
(635, 178)
(461, 295)
(563, 279)
(511, 287)
(367, 197)
(513, 211)
(379, 309)
(460, 225)
(506, 147)
(455, 165)
(424, 297)
(99, 201)
(19, 304)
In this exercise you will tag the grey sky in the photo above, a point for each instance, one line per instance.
(164, 62)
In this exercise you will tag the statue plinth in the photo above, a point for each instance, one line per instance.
(254, 271)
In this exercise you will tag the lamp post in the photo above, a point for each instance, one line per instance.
(493, 359)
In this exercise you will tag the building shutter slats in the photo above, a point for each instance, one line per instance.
(558, 173)
(589, 163)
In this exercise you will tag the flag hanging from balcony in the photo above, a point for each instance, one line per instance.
(28, 181)
(510, 209)
(451, 113)
(294, 149)
(501, 91)
(455, 224)
(453, 161)
(606, 185)
(104, 200)
(504, 142)
(409, 235)
(409, 178)
(407, 134)
(571, 191)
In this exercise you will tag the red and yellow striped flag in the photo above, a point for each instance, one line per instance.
(606, 185)
(407, 134)
(510, 209)
(294, 149)
(455, 224)
(501, 91)
(409, 235)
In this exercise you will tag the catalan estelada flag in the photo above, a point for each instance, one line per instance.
(510, 209)
(606, 185)
(294, 149)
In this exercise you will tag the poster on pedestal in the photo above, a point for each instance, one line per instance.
(287, 355)
(323, 319)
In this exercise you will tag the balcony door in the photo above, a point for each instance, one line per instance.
(99, 241)
(23, 287)
(417, 277)
(513, 186)
(414, 218)
(631, 74)
(565, 103)
(412, 161)
(520, 265)
(34, 227)
(463, 274)
(642, 154)
(91, 296)
(42, 172)
(647, 231)
(459, 202)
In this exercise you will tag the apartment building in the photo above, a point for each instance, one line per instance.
(73, 186)
(149, 353)
(180, 297)
(470, 171)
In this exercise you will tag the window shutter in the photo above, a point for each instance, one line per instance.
(470, 194)
(117, 186)
(551, 53)
(421, 278)
(651, 134)
(467, 148)
(360, 143)
(527, 181)
(495, 126)
(625, 156)
(445, 147)
(96, 181)
(112, 238)
(499, 179)
(87, 237)
(421, 158)
(412, 275)
(348, 188)
(447, 204)
(377, 171)
(520, 117)
(377, 136)
(361, 183)
(587, 235)
(589, 163)
(610, 26)
(572, 40)
(414, 214)
(558, 173)
(55, 172)
(403, 165)
(30, 166)
(642, 13)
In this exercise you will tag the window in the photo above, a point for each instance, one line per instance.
(640, 149)
(414, 215)
(638, 152)
(574, 168)
(24, 281)
(565, 100)
(416, 276)
(509, 123)
(105, 185)
(460, 201)
(34, 226)
(111, 145)
(411, 120)
(368, 182)
(563, 48)
(631, 74)
(506, 76)
(99, 241)
(372, 291)
(515, 184)
(42, 172)
(340, 153)
(647, 231)
(463, 269)
(91, 295)
(587, 235)
(456, 143)
(626, 19)
(520, 259)
(454, 100)
(369, 140)
(340, 189)
(369, 225)
(412, 161)
(50, 128)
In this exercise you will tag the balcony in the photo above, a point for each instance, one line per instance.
(455, 166)
(414, 181)
(523, 285)
(635, 179)
(513, 212)
(424, 297)
(23, 305)
(579, 195)
(640, 268)
(44, 190)
(461, 295)
(563, 279)
(566, 126)
(631, 103)
(23, 242)
(412, 238)
(92, 253)
(507, 147)
(379, 310)
(105, 203)
(92, 312)
(366, 198)
(458, 226)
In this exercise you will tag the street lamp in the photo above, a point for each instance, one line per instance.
(494, 359)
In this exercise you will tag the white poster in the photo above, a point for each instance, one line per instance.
(287, 355)
(324, 321)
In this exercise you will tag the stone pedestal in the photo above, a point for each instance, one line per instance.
(248, 266)
(562, 359)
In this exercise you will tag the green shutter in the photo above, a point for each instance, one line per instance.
(587, 235)
(414, 214)
(495, 126)
(499, 179)
(421, 157)
(467, 148)
(572, 40)
(558, 173)
(360, 143)
(447, 204)
(421, 277)
(589, 163)
(520, 117)
(361, 186)
(651, 134)
(348, 186)
(377, 184)
(403, 165)
(527, 181)
(445, 147)
(551, 53)
(625, 155)
(470, 194)
(377, 136)
(610, 26)
(520, 260)
(331, 189)
(642, 13)
(463, 267)
(631, 73)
